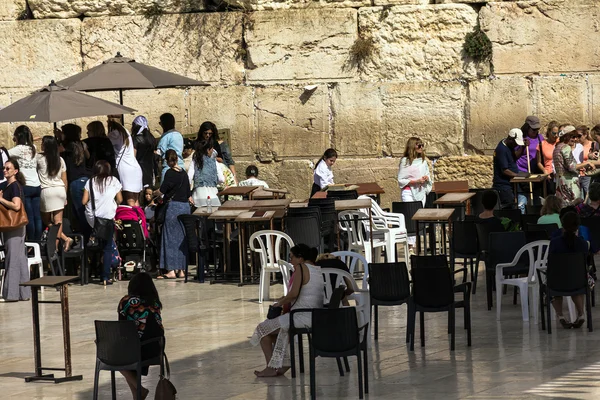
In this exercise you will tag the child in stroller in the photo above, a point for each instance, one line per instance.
(132, 233)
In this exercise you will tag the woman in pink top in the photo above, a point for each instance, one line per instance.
(544, 157)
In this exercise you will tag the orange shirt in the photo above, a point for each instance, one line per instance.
(547, 150)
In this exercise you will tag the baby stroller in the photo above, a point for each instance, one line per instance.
(131, 236)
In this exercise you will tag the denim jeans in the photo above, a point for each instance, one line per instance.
(76, 189)
(107, 259)
(32, 208)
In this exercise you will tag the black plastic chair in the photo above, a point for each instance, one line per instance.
(389, 285)
(305, 229)
(408, 209)
(476, 201)
(329, 220)
(342, 194)
(548, 228)
(513, 214)
(535, 235)
(483, 242)
(335, 333)
(433, 291)
(503, 246)
(77, 251)
(566, 275)
(463, 244)
(196, 241)
(118, 348)
(51, 251)
(528, 219)
(593, 227)
(533, 209)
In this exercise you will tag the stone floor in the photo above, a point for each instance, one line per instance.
(208, 326)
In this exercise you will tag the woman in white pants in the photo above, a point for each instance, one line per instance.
(414, 176)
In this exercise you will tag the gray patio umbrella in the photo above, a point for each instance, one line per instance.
(55, 103)
(122, 73)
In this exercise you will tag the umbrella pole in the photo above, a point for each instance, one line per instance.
(121, 102)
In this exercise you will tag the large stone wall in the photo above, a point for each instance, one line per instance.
(287, 82)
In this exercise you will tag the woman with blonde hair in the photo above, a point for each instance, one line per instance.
(413, 175)
(129, 169)
(550, 213)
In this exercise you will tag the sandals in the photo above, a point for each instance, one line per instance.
(68, 245)
(565, 324)
(578, 322)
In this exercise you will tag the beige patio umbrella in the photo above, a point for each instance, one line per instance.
(55, 103)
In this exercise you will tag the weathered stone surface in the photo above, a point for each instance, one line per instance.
(417, 42)
(400, 2)
(594, 90)
(357, 110)
(300, 44)
(262, 5)
(384, 171)
(96, 8)
(35, 52)
(495, 106)
(543, 36)
(200, 46)
(478, 170)
(153, 103)
(228, 107)
(431, 111)
(10, 9)
(288, 128)
(294, 175)
(563, 99)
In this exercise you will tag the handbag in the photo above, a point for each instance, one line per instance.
(165, 390)
(277, 311)
(11, 219)
(103, 229)
(161, 209)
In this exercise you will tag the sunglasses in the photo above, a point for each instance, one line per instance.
(420, 146)
(6, 168)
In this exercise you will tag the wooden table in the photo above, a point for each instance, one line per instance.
(444, 187)
(367, 189)
(268, 193)
(238, 205)
(203, 211)
(433, 216)
(453, 199)
(273, 204)
(358, 204)
(535, 178)
(244, 219)
(60, 283)
(244, 191)
(228, 217)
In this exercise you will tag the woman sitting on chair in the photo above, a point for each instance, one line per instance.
(306, 292)
(142, 305)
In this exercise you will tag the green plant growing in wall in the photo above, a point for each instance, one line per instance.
(24, 15)
(478, 45)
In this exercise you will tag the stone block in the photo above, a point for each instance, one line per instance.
(494, 107)
(478, 170)
(227, 107)
(262, 5)
(10, 9)
(594, 89)
(431, 111)
(300, 44)
(35, 52)
(562, 98)
(95, 8)
(384, 171)
(357, 110)
(414, 43)
(400, 2)
(199, 46)
(287, 126)
(153, 103)
(294, 175)
(543, 36)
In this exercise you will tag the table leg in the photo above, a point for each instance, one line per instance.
(241, 250)
(371, 235)
(64, 303)
(37, 350)
(516, 194)
(226, 249)
(468, 208)
(418, 239)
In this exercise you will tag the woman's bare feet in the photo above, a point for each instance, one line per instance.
(266, 373)
(181, 274)
(282, 370)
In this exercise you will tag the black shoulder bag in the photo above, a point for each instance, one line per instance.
(103, 229)
(276, 311)
(161, 209)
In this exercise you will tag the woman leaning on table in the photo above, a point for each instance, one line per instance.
(322, 175)
(17, 270)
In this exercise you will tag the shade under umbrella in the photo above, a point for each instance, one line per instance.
(122, 73)
(55, 103)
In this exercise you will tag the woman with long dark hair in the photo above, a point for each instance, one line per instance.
(107, 194)
(24, 154)
(204, 175)
(144, 144)
(16, 268)
(52, 172)
(99, 146)
(130, 171)
(76, 155)
(176, 190)
(142, 305)
(322, 175)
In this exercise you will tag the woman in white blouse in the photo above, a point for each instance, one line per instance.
(322, 175)
(130, 172)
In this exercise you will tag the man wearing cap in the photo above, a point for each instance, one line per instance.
(528, 162)
(505, 167)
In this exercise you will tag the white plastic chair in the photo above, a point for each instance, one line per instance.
(538, 258)
(393, 227)
(36, 259)
(356, 225)
(333, 278)
(286, 270)
(352, 260)
(269, 245)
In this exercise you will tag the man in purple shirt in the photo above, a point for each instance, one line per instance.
(532, 139)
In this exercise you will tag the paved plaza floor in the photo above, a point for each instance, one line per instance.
(208, 327)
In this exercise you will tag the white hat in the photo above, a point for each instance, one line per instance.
(565, 130)
(517, 134)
